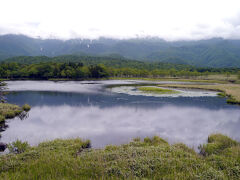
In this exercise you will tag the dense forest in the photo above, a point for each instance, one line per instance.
(84, 67)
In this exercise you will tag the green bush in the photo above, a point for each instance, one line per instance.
(155, 141)
(9, 114)
(222, 94)
(26, 107)
(86, 144)
(111, 148)
(184, 147)
(9, 110)
(2, 118)
(216, 144)
(232, 101)
(232, 152)
(18, 147)
(137, 139)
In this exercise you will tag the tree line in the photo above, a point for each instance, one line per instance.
(78, 70)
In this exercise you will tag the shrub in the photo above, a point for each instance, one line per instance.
(26, 107)
(18, 147)
(155, 141)
(111, 148)
(184, 147)
(137, 139)
(2, 118)
(9, 114)
(147, 140)
(232, 101)
(86, 144)
(232, 152)
(216, 144)
(222, 94)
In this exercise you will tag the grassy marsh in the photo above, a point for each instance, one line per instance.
(152, 158)
(214, 78)
(157, 90)
(232, 91)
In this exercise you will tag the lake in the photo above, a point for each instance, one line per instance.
(91, 110)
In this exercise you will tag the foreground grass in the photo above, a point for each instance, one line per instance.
(152, 158)
(232, 91)
(8, 111)
(156, 90)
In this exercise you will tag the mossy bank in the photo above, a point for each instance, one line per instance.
(8, 111)
(152, 158)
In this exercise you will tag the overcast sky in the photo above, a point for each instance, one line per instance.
(167, 19)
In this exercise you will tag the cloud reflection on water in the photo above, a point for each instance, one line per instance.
(116, 125)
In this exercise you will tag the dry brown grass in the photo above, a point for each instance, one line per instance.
(221, 77)
(232, 90)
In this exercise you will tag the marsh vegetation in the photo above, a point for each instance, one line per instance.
(151, 158)
(231, 91)
(157, 90)
(8, 111)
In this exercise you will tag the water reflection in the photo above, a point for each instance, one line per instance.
(89, 111)
(119, 124)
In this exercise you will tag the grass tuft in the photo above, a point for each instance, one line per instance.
(222, 94)
(157, 90)
(26, 107)
(216, 144)
(2, 118)
(18, 146)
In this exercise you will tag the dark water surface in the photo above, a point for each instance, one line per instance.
(90, 111)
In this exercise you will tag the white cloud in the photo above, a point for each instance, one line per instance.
(171, 20)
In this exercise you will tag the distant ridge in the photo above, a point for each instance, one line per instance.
(215, 52)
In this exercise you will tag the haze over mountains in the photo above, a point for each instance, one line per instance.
(215, 52)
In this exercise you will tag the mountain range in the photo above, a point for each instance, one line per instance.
(216, 52)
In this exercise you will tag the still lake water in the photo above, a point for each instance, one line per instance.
(89, 110)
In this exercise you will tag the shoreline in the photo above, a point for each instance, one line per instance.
(230, 91)
(131, 78)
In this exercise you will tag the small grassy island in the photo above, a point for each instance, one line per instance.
(8, 111)
(157, 90)
(152, 158)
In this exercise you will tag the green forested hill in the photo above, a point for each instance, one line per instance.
(115, 62)
(208, 53)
